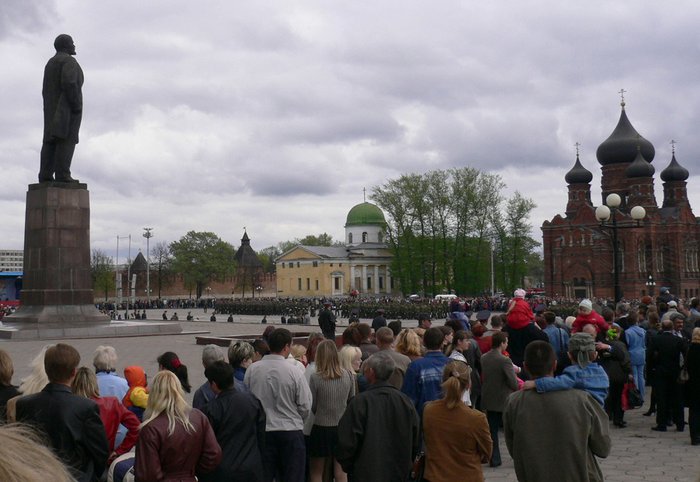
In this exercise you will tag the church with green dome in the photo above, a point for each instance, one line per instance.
(362, 265)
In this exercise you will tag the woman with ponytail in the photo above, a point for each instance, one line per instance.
(457, 438)
(171, 362)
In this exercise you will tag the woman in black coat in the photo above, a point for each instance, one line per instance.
(615, 360)
(693, 387)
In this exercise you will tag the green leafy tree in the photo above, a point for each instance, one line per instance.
(268, 256)
(202, 257)
(513, 241)
(161, 266)
(323, 239)
(102, 271)
(442, 226)
(535, 268)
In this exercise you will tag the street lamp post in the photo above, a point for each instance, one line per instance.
(148, 235)
(609, 211)
(650, 285)
(118, 276)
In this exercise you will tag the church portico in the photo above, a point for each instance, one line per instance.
(361, 265)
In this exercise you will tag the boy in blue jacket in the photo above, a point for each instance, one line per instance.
(583, 374)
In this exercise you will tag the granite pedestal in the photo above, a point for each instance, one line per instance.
(57, 299)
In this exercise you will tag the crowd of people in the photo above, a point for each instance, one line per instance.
(439, 396)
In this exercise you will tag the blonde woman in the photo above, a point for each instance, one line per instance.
(25, 457)
(350, 358)
(112, 412)
(448, 420)
(34, 383)
(176, 441)
(331, 388)
(7, 390)
(409, 343)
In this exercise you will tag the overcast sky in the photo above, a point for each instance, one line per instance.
(274, 115)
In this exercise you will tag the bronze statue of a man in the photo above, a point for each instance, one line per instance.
(63, 111)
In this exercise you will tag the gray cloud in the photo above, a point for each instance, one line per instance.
(275, 115)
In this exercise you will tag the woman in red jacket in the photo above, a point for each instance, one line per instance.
(112, 412)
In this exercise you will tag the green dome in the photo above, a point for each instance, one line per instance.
(365, 213)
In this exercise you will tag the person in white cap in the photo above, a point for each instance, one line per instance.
(587, 316)
(672, 309)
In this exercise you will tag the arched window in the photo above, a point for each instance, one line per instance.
(364, 237)
(380, 237)
(349, 238)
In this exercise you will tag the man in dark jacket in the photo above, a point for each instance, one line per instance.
(664, 355)
(378, 418)
(63, 111)
(520, 334)
(71, 423)
(238, 420)
(379, 320)
(326, 321)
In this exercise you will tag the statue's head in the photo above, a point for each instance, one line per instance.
(64, 43)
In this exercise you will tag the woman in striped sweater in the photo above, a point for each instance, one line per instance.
(331, 387)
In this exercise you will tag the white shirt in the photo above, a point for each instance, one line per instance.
(283, 391)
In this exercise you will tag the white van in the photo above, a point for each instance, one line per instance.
(445, 297)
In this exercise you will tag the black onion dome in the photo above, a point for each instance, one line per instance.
(674, 171)
(578, 174)
(621, 146)
(640, 167)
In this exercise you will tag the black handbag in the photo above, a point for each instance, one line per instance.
(634, 398)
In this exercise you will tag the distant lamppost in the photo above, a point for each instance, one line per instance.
(259, 290)
(148, 235)
(610, 211)
(650, 285)
(118, 284)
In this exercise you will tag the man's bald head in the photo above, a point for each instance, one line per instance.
(590, 329)
(667, 325)
(64, 43)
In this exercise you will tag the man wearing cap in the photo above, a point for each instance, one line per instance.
(664, 295)
(671, 308)
(587, 316)
(566, 453)
(326, 320)
(424, 323)
(63, 111)
(378, 321)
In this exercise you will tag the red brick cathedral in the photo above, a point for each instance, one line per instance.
(660, 250)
